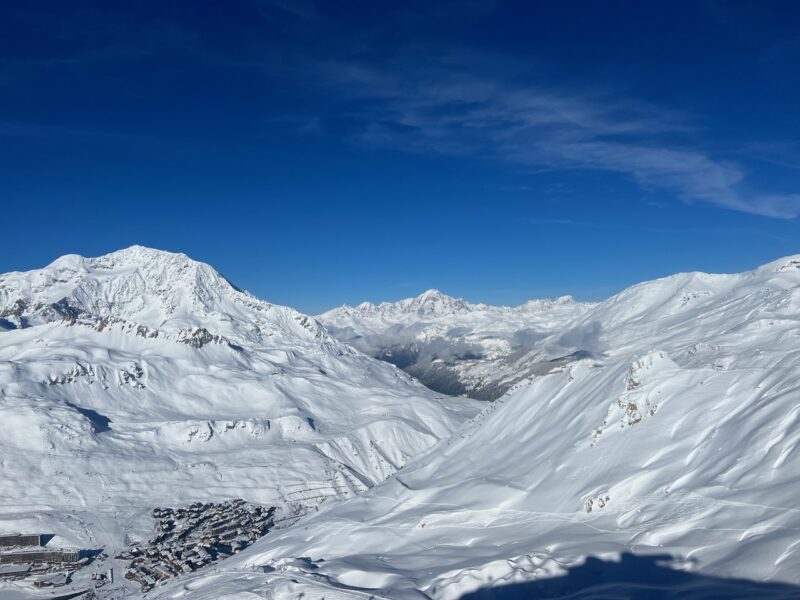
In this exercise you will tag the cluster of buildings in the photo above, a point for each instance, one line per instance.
(11, 540)
(192, 537)
(23, 555)
(101, 579)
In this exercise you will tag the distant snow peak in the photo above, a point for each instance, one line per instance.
(141, 254)
(433, 296)
(548, 303)
(454, 346)
(435, 302)
(429, 302)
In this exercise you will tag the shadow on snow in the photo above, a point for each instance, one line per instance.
(635, 577)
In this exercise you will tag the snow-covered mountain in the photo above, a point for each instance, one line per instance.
(678, 437)
(456, 347)
(143, 378)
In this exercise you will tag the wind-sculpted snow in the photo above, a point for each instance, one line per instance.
(456, 347)
(681, 439)
(143, 378)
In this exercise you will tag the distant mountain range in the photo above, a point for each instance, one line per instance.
(459, 348)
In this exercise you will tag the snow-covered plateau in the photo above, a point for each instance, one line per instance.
(647, 448)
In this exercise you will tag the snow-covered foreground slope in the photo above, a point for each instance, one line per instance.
(143, 378)
(454, 346)
(680, 436)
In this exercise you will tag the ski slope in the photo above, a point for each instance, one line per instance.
(678, 436)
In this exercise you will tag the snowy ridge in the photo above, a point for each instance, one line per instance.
(143, 378)
(431, 303)
(678, 436)
(454, 346)
(156, 289)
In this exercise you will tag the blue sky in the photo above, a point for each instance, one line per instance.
(331, 152)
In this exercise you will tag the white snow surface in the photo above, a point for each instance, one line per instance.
(679, 435)
(143, 378)
(444, 340)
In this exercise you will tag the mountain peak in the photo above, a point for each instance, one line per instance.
(542, 304)
(432, 302)
(143, 257)
(433, 295)
(139, 249)
(154, 288)
(146, 253)
(132, 254)
(161, 291)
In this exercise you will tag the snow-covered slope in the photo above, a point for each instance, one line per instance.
(680, 436)
(454, 346)
(143, 378)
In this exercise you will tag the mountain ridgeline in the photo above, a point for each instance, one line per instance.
(459, 348)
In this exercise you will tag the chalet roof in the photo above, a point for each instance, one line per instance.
(13, 569)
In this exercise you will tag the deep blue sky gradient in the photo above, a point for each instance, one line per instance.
(321, 153)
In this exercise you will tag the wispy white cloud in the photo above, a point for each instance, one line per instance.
(444, 100)
(437, 109)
